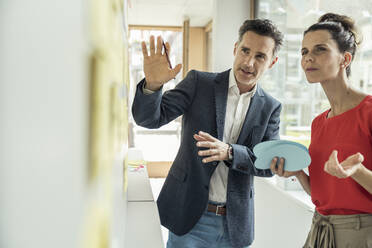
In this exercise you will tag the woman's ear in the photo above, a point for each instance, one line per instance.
(347, 59)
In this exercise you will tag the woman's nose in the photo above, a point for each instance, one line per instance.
(309, 58)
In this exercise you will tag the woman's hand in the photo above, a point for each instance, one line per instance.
(301, 176)
(278, 169)
(346, 168)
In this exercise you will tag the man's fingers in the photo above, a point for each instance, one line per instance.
(159, 45)
(207, 136)
(152, 45)
(168, 47)
(206, 144)
(208, 152)
(198, 137)
(210, 159)
(176, 70)
(144, 49)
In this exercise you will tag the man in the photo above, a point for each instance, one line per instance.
(207, 198)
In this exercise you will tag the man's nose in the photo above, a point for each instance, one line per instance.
(249, 61)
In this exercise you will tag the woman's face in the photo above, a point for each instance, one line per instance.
(321, 58)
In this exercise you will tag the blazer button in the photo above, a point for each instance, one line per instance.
(215, 163)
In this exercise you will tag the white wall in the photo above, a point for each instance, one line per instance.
(228, 16)
(280, 220)
(43, 123)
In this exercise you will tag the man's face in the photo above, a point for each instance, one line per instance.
(253, 55)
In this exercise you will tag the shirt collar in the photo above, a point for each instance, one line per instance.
(232, 83)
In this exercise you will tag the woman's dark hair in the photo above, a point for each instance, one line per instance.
(262, 27)
(343, 31)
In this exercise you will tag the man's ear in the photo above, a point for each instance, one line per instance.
(235, 48)
(273, 62)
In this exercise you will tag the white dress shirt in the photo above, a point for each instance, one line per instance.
(236, 110)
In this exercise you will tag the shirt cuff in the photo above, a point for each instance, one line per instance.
(146, 91)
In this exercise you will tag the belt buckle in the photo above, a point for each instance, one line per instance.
(217, 208)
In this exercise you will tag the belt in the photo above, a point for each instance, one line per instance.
(321, 233)
(217, 209)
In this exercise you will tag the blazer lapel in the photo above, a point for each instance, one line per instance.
(254, 109)
(221, 90)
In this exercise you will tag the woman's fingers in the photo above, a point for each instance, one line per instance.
(281, 167)
(353, 160)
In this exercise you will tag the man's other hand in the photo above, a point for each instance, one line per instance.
(217, 151)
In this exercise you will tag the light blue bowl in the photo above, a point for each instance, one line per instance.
(296, 155)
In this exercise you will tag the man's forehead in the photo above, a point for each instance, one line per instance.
(258, 43)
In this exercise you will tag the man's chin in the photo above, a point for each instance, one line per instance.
(247, 81)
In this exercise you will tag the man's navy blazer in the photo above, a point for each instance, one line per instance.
(201, 98)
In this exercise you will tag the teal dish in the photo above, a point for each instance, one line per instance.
(295, 154)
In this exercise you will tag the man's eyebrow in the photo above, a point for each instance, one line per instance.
(262, 53)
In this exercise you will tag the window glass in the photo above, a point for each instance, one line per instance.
(286, 81)
(156, 144)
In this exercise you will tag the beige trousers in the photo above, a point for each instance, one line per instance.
(340, 231)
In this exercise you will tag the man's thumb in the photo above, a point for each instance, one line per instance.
(177, 69)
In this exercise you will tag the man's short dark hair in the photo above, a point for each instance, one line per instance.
(262, 27)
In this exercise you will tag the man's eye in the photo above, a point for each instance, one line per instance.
(319, 49)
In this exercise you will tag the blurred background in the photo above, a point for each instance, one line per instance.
(76, 171)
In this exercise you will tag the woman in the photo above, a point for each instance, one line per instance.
(340, 174)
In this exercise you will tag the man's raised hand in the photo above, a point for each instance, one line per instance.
(156, 66)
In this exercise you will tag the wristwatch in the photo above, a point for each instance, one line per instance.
(230, 152)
